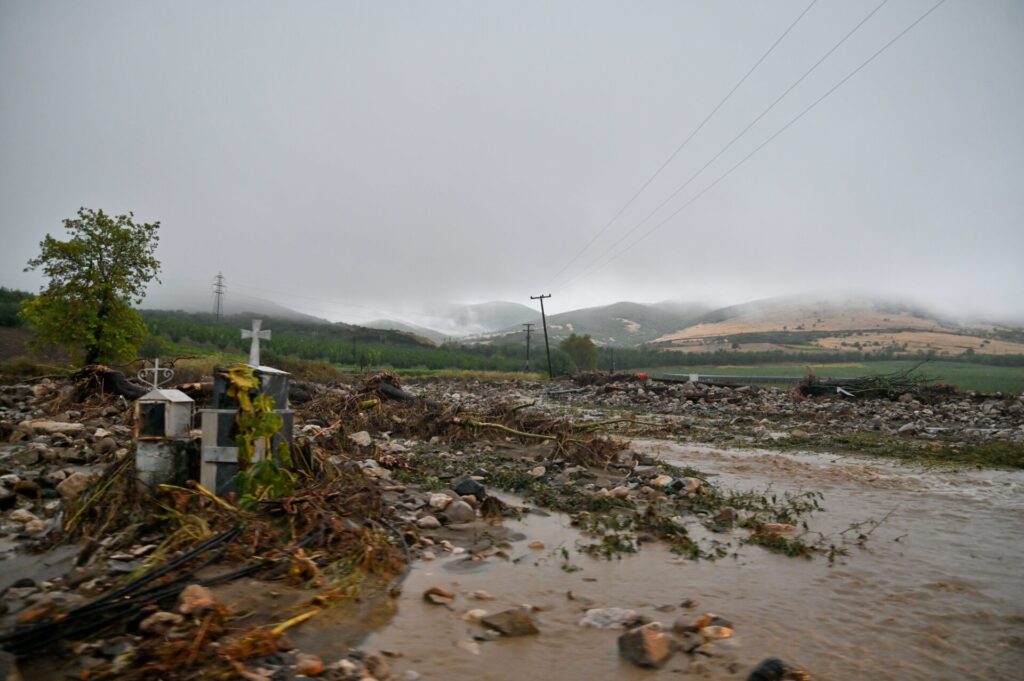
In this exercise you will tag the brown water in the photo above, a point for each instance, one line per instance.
(937, 593)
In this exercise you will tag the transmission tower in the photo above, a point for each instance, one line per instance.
(218, 296)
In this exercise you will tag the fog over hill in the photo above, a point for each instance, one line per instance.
(812, 320)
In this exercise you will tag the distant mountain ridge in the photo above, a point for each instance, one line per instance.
(415, 329)
(622, 324)
(808, 323)
(798, 323)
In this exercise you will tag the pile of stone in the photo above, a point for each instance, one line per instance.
(48, 460)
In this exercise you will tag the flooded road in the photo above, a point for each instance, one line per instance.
(936, 592)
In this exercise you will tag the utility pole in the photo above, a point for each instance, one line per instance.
(544, 321)
(218, 293)
(529, 330)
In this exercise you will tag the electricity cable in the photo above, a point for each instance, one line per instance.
(734, 139)
(684, 142)
(772, 137)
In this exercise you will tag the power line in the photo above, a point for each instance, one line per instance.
(685, 142)
(728, 146)
(773, 136)
(529, 329)
(544, 321)
(218, 294)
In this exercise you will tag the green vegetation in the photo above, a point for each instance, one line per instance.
(270, 477)
(965, 375)
(94, 278)
(318, 349)
(937, 452)
(581, 350)
(10, 306)
(340, 344)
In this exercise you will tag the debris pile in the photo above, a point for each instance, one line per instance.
(387, 474)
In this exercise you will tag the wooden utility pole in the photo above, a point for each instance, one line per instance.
(544, 321)
(529, 330)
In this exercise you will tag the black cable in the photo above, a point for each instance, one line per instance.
(684, 143)
(772, 137)
(728, 146)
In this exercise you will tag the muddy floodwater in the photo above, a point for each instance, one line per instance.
(936, 592)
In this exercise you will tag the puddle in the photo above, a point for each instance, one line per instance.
(937, 593)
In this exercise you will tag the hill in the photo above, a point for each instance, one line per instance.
(393, 325)
(203, 326)
(622, 324)
(807, 324)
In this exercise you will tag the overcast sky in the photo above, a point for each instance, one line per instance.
(358, 159)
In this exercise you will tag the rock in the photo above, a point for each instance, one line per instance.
(195, 598)
(774, 669)
(460, 512)
(538, 471)
(907, 429)
(73, 486)
(481, 596)
(21, 515)
(36, 526)
(309, 665)
(23, 457)
(515, 622)
(55, 477)
(620, 492)
(46, 427)
(683, 625)
(361, 439)
(662, 481)
(714, 633)
(726, 515)
(105, 445)
(428, 522)
(347, 667)
(611, 618)
(377, 666)
(28, 488)
(438, 501)
(647, 646)
(689, 485)
(474, 615)
(438, 596)
(160, 622)
(536, 544)
(469, 645)
(469, 486)
(778, 528)
(373, 469)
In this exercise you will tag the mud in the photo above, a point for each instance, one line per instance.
(935, 592)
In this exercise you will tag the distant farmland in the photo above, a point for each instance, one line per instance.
(964, 375)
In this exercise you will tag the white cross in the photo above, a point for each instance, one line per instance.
(257, 336)
(160, 376)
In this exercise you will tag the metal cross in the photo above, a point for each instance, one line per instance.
(160, 375)
(257, 336)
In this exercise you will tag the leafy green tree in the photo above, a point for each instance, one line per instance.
(581, 350)
(94, 278)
